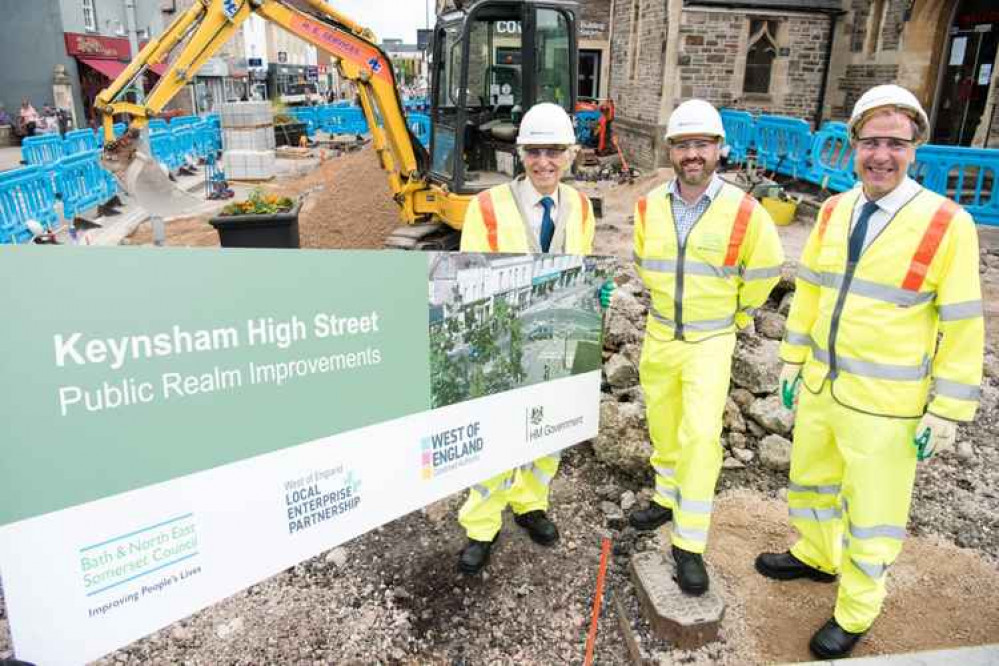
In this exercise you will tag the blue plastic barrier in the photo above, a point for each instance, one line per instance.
(25, 194)
(308, 115)
(161, 145)
(831, 159)
(119, 129)
(342, 120)
(42, 150)
(419, 125)
(80, 141)
(205, 145)
(783, 144)
(158, 125)
(83, 184)
(184, 143)
(740, 133)
(969, 176)
(183, 121)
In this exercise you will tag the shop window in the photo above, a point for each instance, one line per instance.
(760, 56)
(89, 16)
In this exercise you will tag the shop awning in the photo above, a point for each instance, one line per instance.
(109, 68)
(159, 69)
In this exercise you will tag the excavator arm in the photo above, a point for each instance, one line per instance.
(205, 27)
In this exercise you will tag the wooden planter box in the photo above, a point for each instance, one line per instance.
(277, 230)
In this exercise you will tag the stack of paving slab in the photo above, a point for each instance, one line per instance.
(248, 139)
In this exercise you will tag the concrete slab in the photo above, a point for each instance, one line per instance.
(10, 158)
(687, 622)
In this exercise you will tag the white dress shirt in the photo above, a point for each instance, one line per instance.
(888, 207)
(530, 200)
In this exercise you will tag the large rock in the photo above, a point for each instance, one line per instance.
(770, 413)
(733, 417)
(621, 372)
(622, 441)
(775, 453)
(755, 366)
(769, 324)
(743, 398)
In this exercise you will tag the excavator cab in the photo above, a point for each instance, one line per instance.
(492, 61)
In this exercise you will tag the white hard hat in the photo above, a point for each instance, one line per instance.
(546, 124)
(695, 116)
(890, 96)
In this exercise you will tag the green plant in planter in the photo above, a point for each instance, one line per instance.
(259, 203)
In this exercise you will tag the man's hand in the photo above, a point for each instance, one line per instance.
(607, 294)
(790, 385)
(934, 435)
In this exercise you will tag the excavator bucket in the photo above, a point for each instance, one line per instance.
(142, 177)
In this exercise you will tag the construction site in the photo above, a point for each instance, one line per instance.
(400, 179)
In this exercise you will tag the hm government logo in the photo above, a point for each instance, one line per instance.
(537, 427)
(447, 450)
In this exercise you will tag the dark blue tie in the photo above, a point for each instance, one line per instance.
(860, 231)
(547, 224)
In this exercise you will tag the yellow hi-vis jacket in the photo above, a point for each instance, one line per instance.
(718, 277)
(494, 223)
(871, 328)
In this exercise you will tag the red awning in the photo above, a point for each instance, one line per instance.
(109, 68)
(159, 69)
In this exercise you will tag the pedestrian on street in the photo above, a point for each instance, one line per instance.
(533, 213)
(889, 268)
(27, 118)
(709, 254)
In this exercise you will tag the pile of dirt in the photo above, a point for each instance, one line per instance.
(348, 205)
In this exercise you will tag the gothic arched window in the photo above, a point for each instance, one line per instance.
(760, 55)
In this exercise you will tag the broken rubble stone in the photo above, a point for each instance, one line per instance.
(770, 413)
(964, 451)
(788, 272)
(775, 453)
(743, 455)
(770, 324)
(622, 441)
(732, 463)
(628, 500)
(621, 373)
(613, 515)
(732, 418)
(736, 440)
(743, 398)
(755, 429)
(619, 332)
(633, 353)
(755, 366)
(785, 303)
(633, 394)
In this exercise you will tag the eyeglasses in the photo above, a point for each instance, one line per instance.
(697, 145)
(550, 153)
(892, 144)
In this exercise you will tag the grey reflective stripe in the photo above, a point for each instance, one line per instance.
(877, 291)
(818, 515)
(669, 493)
(709, 270)
(955, 311)
(901, 373)
(665, 471)
(873, 571)
(661, 265)
(695, 506)
(710, 324)
(821, 490)
(661, 319)
(700, 536)
(539, 473)
(761, 273)
(808, 275)
(482, 490)
(878, 531)
(956, 390)
(793, 338)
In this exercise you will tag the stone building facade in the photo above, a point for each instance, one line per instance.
(777, 57)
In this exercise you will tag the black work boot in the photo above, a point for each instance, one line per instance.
(542, 530)
(691, 575)
(833, 641)
(475, 556)
(651, 518)
(785, 566)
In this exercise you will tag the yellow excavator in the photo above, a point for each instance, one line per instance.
(491, 61)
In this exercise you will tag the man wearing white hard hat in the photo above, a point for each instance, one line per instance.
(709, 254)
(533, 213)
(889, 269)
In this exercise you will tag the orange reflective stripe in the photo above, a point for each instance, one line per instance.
(642, 205)
(827, 213)
(928, 246)
(739, 227)
(489, 219)
(582, 222)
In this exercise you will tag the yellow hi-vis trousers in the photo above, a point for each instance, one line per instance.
(849, 494)
(686, 385)
(525, 489)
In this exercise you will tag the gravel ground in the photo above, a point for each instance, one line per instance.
(394, 596)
